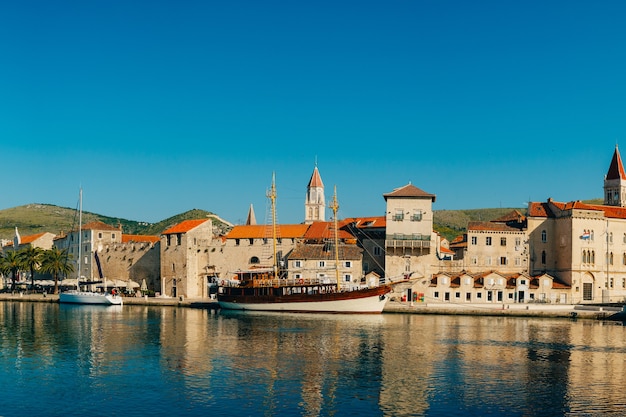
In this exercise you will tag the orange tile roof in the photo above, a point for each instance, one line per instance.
(184, 226)
(544, 210)
(325, 230)
(285, 231)
(98, 225)
(491, 226)
(409, 190)
(31, 238)
(316, 179)
(139, 238)
(616, 169)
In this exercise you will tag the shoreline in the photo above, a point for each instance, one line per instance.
(569, 311)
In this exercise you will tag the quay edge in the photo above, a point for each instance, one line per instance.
(568, 311)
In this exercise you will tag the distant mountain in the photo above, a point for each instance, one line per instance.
(37, 218)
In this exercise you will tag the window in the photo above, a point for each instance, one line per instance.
(544, 236)
(611, 258)
(611, 237)
(297, 264)
(297, 276)
(174, 269)
(502, 241)
(468, 296)
(474, 240)
(254, 260)
(474, 260)
(488, 260)
(348, 264)
(479, 295)
(112, 235)
(377, 251)
(99, 235)
(436, 294)
(322, 264)
(179, 239)
(251, 241)
(457, 294)
(398, 215)
(347, 277)
(503, 260)
(543, 257)
(518, 241)
(488, 241)
(518, 262)
(236, 242)
(417, 216)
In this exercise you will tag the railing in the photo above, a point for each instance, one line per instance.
(415, 240)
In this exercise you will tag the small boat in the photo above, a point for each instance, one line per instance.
(263, 289)
(86, 297)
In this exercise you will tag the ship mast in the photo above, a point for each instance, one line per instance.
(334, 205)
(271, 194)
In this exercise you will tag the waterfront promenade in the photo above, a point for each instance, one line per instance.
(393, 307)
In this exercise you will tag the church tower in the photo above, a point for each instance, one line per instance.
(315, 204)
(615, 182)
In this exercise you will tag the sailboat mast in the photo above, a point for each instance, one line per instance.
(334, 205)
(80, 233)
(272, 196)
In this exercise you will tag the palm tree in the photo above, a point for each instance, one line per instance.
(10, 263)
(56, 261)
(31, 259)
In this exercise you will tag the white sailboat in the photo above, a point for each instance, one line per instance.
(86, 297)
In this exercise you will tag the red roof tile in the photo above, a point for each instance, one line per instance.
(286, 231)
(616, 169)
(409, 191)
(139, 238)
(184, 226)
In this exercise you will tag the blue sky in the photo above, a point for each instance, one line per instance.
(159, 107)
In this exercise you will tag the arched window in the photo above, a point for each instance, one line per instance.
(611, 237)
(611, 258)
(254, 260)
(544, 236)
(593, 257)
(543, 257)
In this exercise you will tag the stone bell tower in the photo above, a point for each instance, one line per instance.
(315, 204)
(615, 182)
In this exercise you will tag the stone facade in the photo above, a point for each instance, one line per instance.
(185, 252)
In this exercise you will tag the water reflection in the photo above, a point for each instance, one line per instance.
(170, 361)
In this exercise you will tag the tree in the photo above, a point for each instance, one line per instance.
(10, 263)
(56, 262)
(30, 257)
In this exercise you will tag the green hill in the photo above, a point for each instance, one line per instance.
(37, 218)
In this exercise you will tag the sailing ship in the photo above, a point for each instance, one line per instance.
(265, 289)
(86, 297)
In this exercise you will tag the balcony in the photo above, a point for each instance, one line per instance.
(415, 240)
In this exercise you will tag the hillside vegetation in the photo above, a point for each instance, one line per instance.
(37, 218)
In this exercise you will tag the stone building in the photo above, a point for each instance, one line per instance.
(95, 236)
(185, 252)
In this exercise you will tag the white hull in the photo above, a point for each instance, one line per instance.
(372, 304)
(85, 297)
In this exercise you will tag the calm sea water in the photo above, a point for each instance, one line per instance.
(165, 361)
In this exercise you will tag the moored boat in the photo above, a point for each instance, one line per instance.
(270, 289)
(86, 297)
